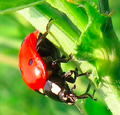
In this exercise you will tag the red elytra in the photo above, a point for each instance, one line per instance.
(32, 67)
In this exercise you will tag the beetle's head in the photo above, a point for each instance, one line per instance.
(59, 90)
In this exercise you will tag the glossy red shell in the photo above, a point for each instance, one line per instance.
(32, 67)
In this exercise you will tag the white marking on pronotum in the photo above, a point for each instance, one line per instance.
(55, 89)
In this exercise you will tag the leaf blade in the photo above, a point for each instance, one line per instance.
(7, 6)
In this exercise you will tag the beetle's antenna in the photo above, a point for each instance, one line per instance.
(78, 108)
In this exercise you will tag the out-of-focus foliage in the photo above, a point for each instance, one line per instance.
(15, 97)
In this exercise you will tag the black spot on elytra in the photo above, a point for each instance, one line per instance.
(30, 62)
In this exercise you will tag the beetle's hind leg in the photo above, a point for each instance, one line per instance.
(86, 94)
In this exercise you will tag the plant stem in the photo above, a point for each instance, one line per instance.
(104, 9)
(104, 6)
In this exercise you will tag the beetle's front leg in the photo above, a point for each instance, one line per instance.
(67, 76)
(63, 59)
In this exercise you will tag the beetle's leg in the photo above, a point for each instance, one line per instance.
(86, 94)
(63, 59)
(48, 24)
(67, 76)
(87, 90)
(47, 28)
(74, 87)
(41, 36)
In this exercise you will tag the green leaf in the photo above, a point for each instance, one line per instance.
(61, 31)
(8, 6)
(75, 14)
(89, 49)
(99, 46)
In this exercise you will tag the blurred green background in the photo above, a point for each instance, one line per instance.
(15, 97)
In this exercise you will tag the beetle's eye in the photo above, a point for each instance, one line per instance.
(63, 96)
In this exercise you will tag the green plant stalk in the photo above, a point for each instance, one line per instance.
(96, 50)
(103, 6)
